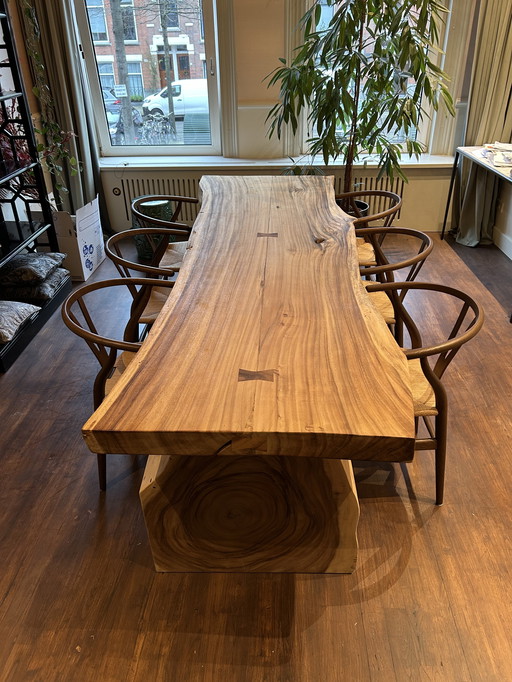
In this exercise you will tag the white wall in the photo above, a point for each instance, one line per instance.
(259, 28)
(503, 226)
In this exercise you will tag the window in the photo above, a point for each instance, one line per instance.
(418, 132)
(135, 79)
(325, 16)
(129, 29)
(96, 12)
(106, 74)
(172, 14)
(150, 119)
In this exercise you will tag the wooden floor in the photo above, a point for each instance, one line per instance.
(430, 599)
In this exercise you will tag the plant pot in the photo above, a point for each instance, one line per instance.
(362, 208)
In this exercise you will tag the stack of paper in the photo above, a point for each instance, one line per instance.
(499, 154)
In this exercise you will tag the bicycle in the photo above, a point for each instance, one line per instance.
(157, 129)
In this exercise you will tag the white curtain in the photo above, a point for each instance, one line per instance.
(60, 54)
(489, 117)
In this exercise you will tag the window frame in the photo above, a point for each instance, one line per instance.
(106, 148)
(437, 131)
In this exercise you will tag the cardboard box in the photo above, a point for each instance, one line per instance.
(81, 237)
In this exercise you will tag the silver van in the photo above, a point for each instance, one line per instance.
(188, 96)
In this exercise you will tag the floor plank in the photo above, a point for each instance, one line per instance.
(429, 600)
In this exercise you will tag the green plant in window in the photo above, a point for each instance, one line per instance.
(364, 81)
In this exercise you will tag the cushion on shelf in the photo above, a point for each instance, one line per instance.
(37, 293)
(30, 267)
(12, 315)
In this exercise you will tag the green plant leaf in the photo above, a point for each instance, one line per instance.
(364, 80)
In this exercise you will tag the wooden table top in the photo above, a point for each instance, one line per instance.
(268, 344)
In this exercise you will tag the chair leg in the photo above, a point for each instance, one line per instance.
(399, 332)
(440, 455)
(102, 471)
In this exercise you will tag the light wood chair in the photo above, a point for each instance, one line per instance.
(114, 354)
(418, 244)
(428, 363)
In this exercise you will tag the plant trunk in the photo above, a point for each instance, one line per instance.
(351, 149)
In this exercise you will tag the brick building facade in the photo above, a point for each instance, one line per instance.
(144, 46)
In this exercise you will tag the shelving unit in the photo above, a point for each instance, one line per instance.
(26, 223)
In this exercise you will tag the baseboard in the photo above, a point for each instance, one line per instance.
(503, 242)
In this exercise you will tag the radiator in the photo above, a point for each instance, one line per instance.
(128, 188)
(369, 182)
(121, 186)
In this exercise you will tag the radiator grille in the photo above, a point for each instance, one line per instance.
(131, 188)
(369, 182)
(122, 189)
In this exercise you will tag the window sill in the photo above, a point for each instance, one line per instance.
(216, 162)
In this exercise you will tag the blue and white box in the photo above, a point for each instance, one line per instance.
(81, 237)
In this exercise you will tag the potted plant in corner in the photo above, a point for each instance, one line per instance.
(365, 80)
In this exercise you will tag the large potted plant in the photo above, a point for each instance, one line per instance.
(364, 81)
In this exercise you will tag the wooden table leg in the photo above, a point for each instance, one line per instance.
(251, 514)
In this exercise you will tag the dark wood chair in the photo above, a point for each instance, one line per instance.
(460, 319)
(369, 206)
(114, 353)
(404, 258)
(120, 249)
(382, 205)
(145, 217)
(163, 210)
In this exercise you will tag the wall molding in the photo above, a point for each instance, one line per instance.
(225, 24)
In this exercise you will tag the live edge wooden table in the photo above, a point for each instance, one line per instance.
(267, 371)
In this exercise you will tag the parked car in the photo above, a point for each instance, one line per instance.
(188, 96)
(116, 125)
(111, 102)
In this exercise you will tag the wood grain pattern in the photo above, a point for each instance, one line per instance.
(251, 514)
(81, 601)
(291, 304)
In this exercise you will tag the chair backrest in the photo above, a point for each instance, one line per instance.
(165, 215)
(464, 312)
(385, 267)
(83, 312)
(382, 205)
(121, 245)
